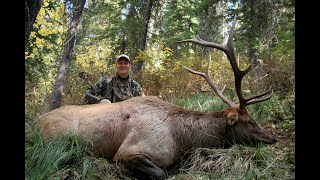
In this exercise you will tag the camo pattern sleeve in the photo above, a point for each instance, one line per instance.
(100, 87)
(137, 90)
(107, 93)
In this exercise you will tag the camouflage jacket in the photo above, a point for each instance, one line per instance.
(117, 89)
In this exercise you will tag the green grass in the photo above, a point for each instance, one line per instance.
(44, 160)
(67, 157)
(203, 102)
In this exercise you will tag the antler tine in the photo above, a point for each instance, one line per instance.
(214, 87)
(256, 99)
(201, 42)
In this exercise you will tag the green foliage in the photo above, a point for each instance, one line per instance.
(94, 59)
(266, 29)
(101, 22)
(100, 40)
(181, 20)
(276, 109)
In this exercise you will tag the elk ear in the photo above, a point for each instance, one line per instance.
(232, 117)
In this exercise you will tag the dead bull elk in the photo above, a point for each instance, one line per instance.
(147, 134)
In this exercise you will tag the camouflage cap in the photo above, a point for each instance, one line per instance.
(124, 56)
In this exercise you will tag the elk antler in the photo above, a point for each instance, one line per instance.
(206, 75)
(238, 74)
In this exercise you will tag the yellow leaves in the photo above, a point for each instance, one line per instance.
(45, 4)
(61, 29)
(31, 56)
(142, 55)
(92, 59)
(81, 61)
(39, 42)
(49, 18)
(191, 51)
(50, 46)
(59, 13)
(40, 18)
(46, 32)
(177, 66)
(32, 34)
(168, 51)
(48, 22)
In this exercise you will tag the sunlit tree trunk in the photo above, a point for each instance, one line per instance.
(69, 42)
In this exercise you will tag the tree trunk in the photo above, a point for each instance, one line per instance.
(66, 56)
(257, 70)
(205, 33)
(31, 10)
(147, 6)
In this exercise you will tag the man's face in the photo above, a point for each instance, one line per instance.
(123, 67)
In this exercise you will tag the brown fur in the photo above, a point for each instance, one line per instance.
(148, 126)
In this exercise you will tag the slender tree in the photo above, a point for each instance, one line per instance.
(142, 39)
(75, 8)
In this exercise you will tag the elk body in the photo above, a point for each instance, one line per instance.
(147, 134)
(151, 131)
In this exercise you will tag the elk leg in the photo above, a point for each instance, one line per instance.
(143, 167)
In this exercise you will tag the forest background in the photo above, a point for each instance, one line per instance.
(74, 36)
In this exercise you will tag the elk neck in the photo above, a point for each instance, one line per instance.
(198, 129)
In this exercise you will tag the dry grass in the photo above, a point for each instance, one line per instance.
(237, 162)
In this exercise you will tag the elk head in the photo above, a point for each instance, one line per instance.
(241, 128)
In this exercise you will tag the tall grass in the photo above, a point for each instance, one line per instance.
(43, 160)
(67, 157)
